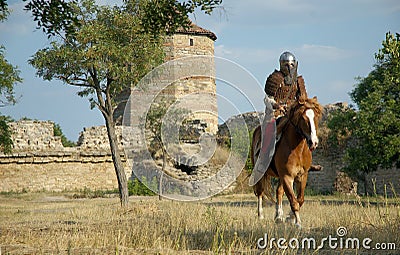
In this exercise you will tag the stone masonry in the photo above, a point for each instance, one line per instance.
(193, 42)
(40, 162)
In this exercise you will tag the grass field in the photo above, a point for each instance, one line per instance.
(55, 223)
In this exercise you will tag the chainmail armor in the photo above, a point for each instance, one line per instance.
(284, 94)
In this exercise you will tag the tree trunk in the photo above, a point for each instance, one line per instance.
(116, 157)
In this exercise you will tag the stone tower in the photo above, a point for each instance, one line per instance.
(194, 41)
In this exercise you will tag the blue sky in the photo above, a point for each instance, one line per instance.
(333, 40)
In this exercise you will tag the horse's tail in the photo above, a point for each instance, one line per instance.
(268, 190)
(263, 186)
(255, 145)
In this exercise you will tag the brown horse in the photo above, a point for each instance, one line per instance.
(292, 159)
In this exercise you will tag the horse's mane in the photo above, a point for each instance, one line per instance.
(297, 109)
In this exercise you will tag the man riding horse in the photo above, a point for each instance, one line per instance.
(282, 89)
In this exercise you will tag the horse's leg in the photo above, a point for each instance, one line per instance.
(301, 186)
(259, 207)
(294, 204)
(279, 207)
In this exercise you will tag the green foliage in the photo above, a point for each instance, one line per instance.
(6, 142)
(138, 188)
(166, 16)
(4, 11)
(340, 124)
(64, 140)
(53, 16)
(375, 128)
(106, 54)
(9, 76)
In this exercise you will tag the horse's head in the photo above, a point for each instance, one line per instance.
(304, 115)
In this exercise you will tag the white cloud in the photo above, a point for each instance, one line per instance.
(334, 91)
(247, 55)
(313, 53)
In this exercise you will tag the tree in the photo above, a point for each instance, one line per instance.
(373, 131)
(108, 50)
(9, 77)
(57, 131)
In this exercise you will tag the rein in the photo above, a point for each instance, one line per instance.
(298, 130)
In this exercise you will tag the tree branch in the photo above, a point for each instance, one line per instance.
(77, 84)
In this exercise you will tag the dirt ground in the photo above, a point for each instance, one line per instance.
(56, 223)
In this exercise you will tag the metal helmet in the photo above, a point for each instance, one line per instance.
(288, 66)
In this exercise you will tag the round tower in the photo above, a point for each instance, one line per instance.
(195, 41)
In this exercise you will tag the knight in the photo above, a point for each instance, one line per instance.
(282, 88)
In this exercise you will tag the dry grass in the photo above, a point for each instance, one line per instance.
(220, 156)
(53, 224)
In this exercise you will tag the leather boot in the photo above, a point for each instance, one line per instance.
(315, 168)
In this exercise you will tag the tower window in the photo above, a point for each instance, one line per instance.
(191, 42)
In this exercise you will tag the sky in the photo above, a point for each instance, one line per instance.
(334, 42)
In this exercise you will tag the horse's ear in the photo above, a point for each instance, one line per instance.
(315, 98)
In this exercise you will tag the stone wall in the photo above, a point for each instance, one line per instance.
(383, 180)
(323, 181)
(183, 45)
(40, 162)
(95, 138)
(35, 135)
(57, 171)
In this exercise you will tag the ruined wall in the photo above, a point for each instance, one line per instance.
(383, 180)
(40, 162)
(35, 135)
(61, 171)
(323, 181)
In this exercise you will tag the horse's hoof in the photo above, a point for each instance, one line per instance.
(298, 225)
(315, 168)
(291, 219)
(260, 217)
(279, 219)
